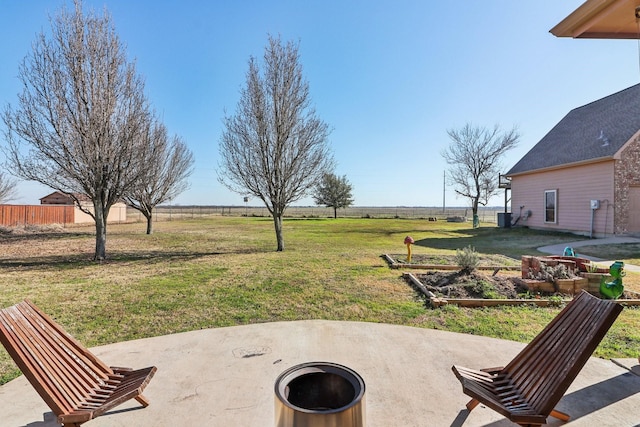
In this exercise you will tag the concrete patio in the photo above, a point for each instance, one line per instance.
(225, 377)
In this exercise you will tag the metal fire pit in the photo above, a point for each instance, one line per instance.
(319, 394)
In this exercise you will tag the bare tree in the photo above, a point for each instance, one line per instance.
(7, 188)
(474, 155)
(81, 115)
(334, 192)
(165, 172)
(274, 147)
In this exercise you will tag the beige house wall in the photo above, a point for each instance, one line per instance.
(117, 213)
(576, 186)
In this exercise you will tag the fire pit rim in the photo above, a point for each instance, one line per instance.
(301, 369)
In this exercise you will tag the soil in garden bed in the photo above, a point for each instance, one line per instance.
(459, 284)
(478, 284)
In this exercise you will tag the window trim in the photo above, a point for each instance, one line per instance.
(555, 206)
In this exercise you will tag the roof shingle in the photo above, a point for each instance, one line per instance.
(595, 130)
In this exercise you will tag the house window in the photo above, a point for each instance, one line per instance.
(551, 206)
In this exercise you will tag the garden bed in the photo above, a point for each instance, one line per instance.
(475, 284)
(447, 283)
(477, 289)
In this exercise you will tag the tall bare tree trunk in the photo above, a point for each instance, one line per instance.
(166, 170)
(275, 147)
(82, 116)
(474, 205)
(149, 223)
(277, 222)
(101, 232)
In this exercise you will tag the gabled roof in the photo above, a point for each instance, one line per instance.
(594, 131)
(60, 195)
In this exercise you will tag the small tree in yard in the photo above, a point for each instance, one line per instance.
(165, 174)
(274, 147)
(333, 192)
(474, 155)
(81, 116)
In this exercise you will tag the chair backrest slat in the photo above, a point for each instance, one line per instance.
(564, 358)
(547, 353)
(543, 371)
(72, 382)
(76, 347)
(61, 370)
(15, 343)
(59, 344)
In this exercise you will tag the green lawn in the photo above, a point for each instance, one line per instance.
(222, 271)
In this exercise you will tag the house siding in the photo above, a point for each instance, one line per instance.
(627, 174)
(576, 186)
(117, 213)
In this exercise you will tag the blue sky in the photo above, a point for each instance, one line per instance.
(388, 76)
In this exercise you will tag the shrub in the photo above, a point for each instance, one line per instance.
(467, 259)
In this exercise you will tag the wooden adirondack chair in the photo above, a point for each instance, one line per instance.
(73, 382)
(527, 390)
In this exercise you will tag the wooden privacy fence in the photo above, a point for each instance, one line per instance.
(14, 215)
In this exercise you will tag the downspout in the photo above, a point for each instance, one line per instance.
(606, 217)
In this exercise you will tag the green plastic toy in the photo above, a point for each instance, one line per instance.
(614, 288)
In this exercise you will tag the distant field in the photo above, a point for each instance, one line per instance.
(488, 214)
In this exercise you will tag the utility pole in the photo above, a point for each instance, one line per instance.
(444, 189)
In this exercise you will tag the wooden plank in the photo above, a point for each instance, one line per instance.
(477, 302)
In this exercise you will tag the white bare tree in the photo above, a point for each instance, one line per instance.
(474, 155)
(81, 114)
(166, 171)
(275, 147)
